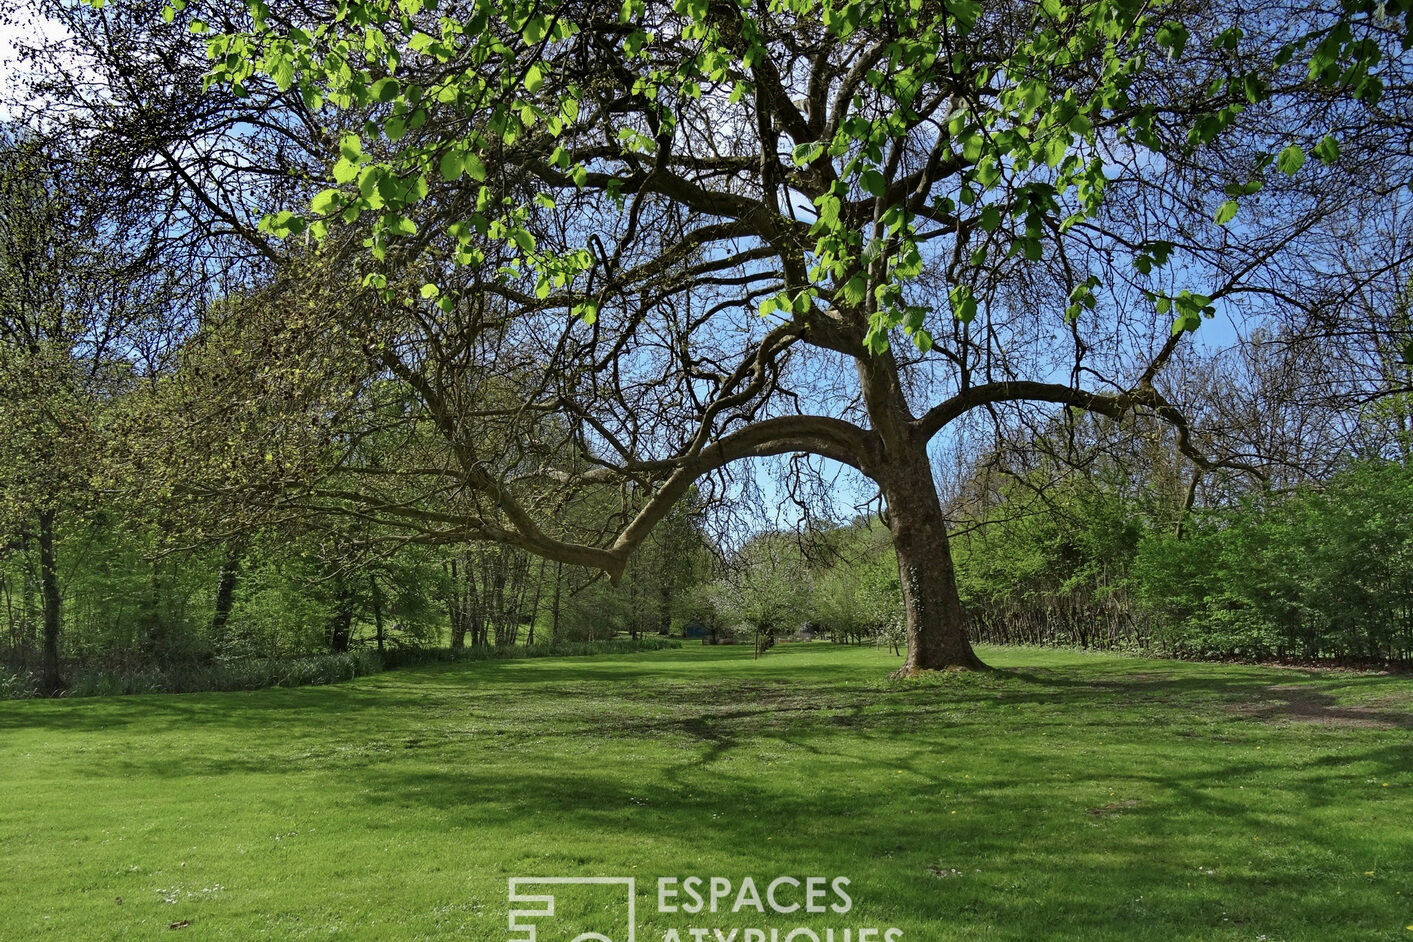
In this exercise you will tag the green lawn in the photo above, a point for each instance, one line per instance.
(1071, 796)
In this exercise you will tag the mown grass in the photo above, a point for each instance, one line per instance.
(1070, 796)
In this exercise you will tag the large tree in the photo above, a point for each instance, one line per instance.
(603, 250)
(701, 231)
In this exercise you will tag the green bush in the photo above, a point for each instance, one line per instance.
(1311, 574)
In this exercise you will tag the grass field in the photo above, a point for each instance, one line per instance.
(1070, 796)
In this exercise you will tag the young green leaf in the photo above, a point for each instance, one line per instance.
(1327, 151)
(1291, 159)
(328, 201)
(386, 89)
(451, 166)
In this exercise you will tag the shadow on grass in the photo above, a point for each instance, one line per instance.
(935, 794)
(725, 686)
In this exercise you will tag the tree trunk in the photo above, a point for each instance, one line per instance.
(225, 594)
(937, 637)
(50, 680)
(339, 633)
(377, 601)
(534, 603)
(457, 605)
(554, 621)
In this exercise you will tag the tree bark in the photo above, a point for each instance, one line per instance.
(50, 679)
(377, 602)
(339, 633)
(937, 637)
(458, 605)
(225, 593)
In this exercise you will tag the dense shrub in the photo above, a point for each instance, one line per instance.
(1054, 574)
(1322, 573)
(1319, 572)
(244, 674)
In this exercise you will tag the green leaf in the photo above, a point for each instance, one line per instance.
(345, 170)
(963, 304)
(1172, 36)
(1253, 87)
(328, 201)
(475, 167)
(451, 166)
(534, 30)
(351, 147)
(534, 78)
(430, 291)
(283, 73)
(283, 224)
(873, 182)
(1226, 213)
(965, 12)
(855, 290)
(1186, 322)
(386, 89)
(1290, 160)
(807, 153)
(1327, 151)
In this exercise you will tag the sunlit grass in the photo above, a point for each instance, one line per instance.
(1068, 797)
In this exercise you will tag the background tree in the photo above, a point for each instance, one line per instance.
(77, 304)
(764, 589)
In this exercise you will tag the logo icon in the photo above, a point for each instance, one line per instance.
(536, 922)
